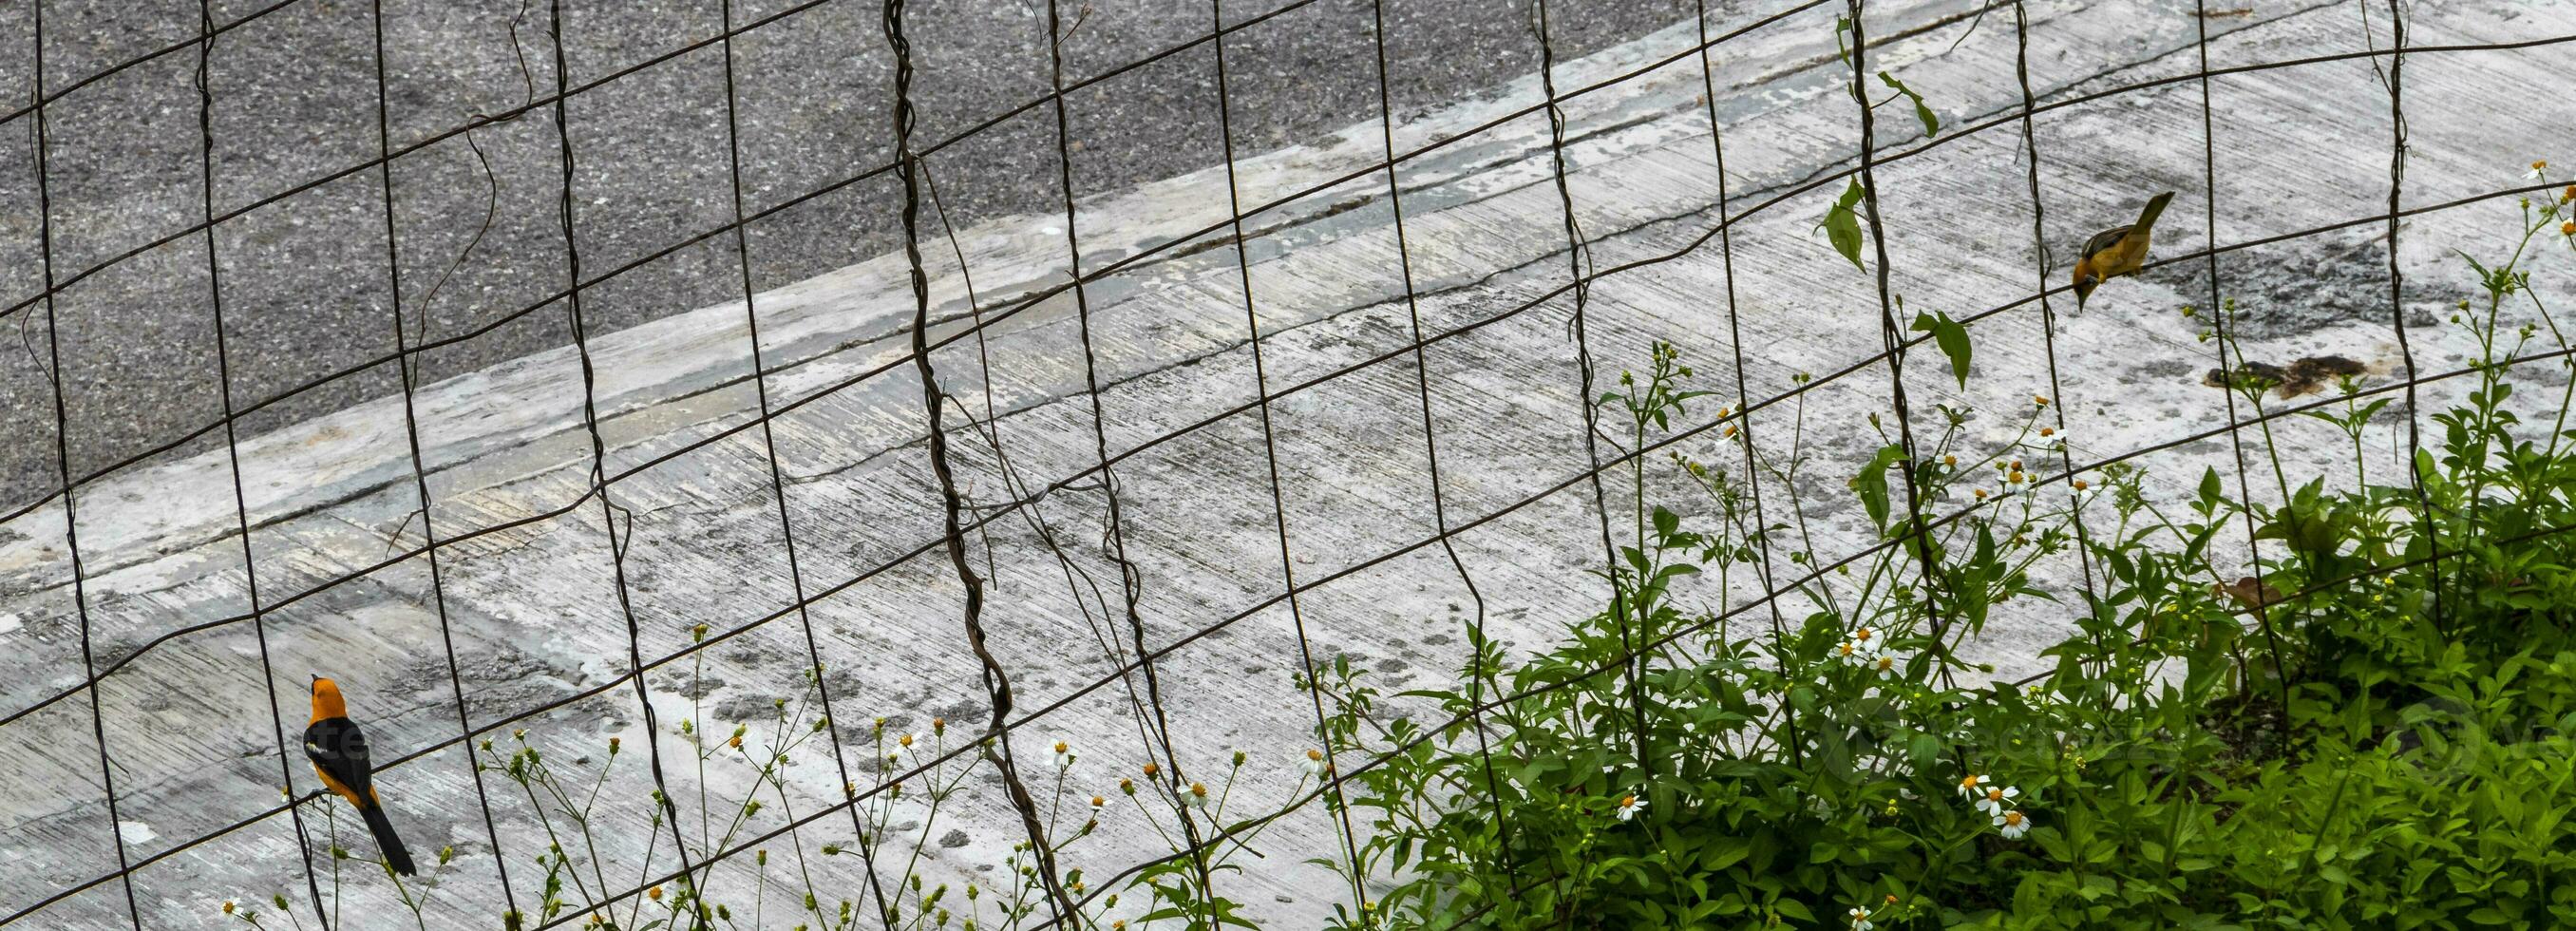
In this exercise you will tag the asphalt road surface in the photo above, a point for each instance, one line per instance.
(305, 280)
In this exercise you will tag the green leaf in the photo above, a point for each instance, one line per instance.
(1842, 226)
(1951, 336)
(1931, 121)
(1871, 483)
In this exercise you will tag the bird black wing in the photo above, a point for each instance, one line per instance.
(2105, 240)
(339, 749)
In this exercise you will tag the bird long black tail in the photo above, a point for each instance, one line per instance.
(386, 841)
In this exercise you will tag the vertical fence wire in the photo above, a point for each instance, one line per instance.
(232, 444)
(608, 509)
(63, 466)
(1479, 678)
(1340, 807)
(2220, 319)
(1578, 259)
(777, 478)
(997, 681)
(2398, 15)
(1892, 333)
(407, 369)
(1130, 582)
(2047, 308)
(1735, 348)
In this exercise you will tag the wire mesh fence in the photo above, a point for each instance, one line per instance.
(1003, 731)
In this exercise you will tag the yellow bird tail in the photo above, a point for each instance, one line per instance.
(2155, 208)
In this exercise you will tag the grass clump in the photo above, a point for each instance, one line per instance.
(2365, 727)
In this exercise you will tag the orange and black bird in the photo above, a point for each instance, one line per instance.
(2116, 251)
(339, 753)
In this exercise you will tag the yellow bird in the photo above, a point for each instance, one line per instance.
(339, 753)
(2116, 251)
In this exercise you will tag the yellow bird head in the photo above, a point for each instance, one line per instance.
(2086, 279)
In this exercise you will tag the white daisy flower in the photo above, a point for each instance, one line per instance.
(1314, 763)
(1887, 664)
(1063, 755)
(1627, 806)
(1196, 796)
(2012, 824)
(1867, 639)
(2053, 437)
(1860, 919)
(2538, 171)
(1851, 653)
(1973, 786)
(1993, 800)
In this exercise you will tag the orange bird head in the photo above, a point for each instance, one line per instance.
(2086, 279)
(327, 703)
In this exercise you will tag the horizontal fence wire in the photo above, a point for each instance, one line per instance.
(1011, 307)
(907, 163)
(1000, 509)
(714, 638)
